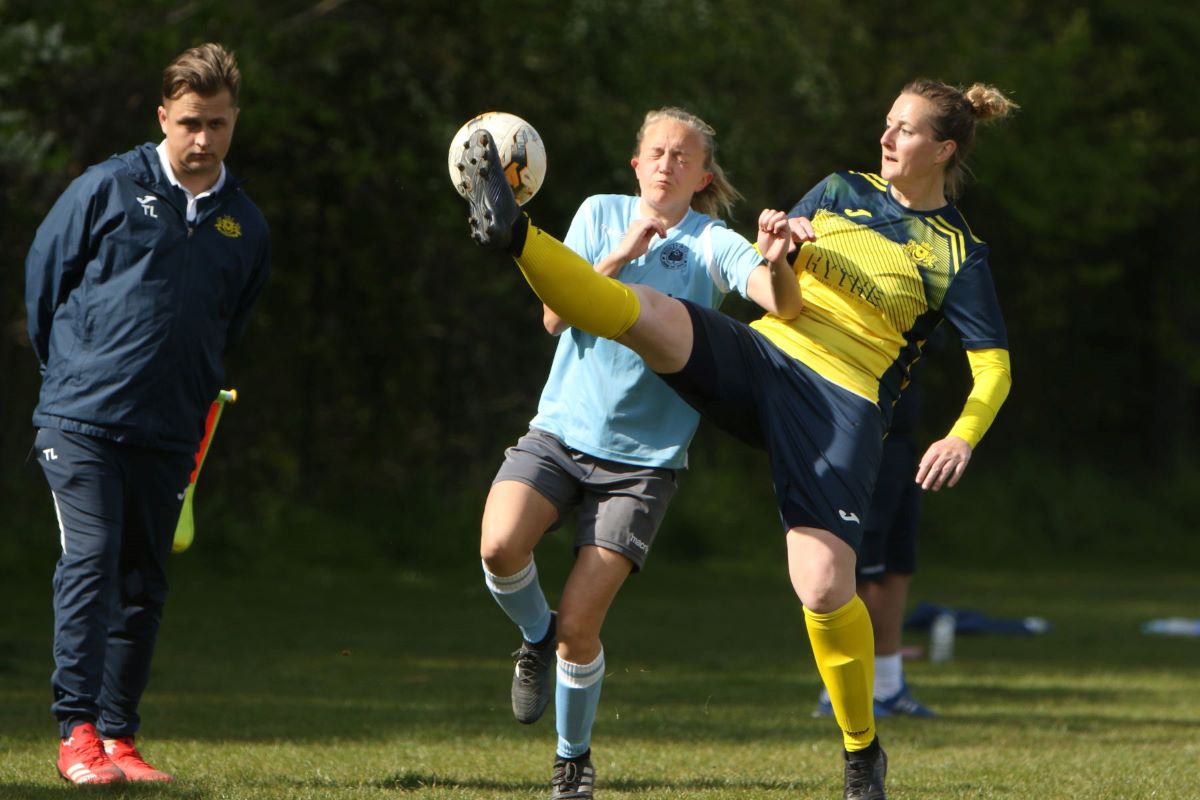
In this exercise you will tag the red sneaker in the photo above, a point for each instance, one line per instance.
(125, 755)
(81, 758)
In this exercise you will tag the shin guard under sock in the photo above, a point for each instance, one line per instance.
(843, 645)
(566, 283)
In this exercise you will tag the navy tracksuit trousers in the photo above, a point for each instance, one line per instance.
(117, 509)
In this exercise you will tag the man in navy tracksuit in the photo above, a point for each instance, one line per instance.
(139, 279)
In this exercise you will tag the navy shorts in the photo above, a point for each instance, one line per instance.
(890, 539)
(823, 442)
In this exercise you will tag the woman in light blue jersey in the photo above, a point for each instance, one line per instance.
(609, 435)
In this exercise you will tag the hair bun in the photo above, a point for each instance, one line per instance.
(988, 102)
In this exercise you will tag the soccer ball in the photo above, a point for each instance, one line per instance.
(521, 152)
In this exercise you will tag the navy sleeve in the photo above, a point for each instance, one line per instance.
(808, 205)
(972, 307)
(57, 258)
(250, 295)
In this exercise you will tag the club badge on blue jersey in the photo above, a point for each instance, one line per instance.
(673, 256)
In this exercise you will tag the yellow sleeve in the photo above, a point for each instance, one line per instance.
(992, 376)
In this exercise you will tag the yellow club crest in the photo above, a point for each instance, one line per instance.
(919, 254)
(229, 226)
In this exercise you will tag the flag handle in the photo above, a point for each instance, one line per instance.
(185, 529)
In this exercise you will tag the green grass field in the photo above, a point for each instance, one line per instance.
(281, 678)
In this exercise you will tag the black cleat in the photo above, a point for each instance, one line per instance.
(865, 771)
(493, 207)
(531, 676)
(573, 778)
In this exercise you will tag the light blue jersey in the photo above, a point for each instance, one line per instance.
(600, 398)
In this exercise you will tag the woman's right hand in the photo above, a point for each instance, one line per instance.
(634, 245)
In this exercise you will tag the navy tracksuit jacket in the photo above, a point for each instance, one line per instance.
(130, 309)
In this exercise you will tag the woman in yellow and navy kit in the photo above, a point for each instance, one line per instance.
(883, 259)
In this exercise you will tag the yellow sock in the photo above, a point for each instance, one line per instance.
(584, 298)
(844, 647)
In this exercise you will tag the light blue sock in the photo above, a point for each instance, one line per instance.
(575, 700)
(522, 599)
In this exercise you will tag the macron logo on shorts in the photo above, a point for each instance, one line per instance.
(639, 544)
(848, 516)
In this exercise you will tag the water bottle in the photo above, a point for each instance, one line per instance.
(941, 637)
(1173, 626)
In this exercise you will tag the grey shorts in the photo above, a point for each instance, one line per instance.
(620, 505)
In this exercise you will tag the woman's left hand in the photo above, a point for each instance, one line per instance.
(943, 463)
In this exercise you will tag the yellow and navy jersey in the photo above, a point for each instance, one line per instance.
(877, 281)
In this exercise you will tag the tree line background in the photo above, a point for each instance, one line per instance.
(391, 361)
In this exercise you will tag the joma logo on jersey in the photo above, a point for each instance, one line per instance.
(229, 226)
(919, 254)
(673, 257)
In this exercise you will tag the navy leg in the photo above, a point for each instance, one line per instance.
(86, 482)
(152, 503)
